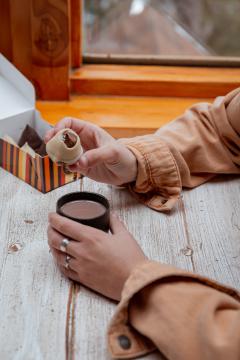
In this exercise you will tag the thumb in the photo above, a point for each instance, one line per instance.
(116, 224)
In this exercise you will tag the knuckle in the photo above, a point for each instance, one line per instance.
(115, 150)
(115, 154)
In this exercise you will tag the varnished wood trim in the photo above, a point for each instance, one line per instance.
(76, 8)
(154, 80)
(120, 116)
(6, 36)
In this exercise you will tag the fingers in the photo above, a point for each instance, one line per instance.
(55, 240)
(72, 229)
(108, 154)
(75, 124)
(49, 135)
(81, 164)
(88, 160)
(60, 259)
(69, 273)
(116, 224)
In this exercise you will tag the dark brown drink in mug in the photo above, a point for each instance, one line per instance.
(86, 208)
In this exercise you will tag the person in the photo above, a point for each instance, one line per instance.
(184, 315)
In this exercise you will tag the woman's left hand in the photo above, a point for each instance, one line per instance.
(99, 260)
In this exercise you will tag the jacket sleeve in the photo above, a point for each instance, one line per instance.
(203, 142)
(184, 315)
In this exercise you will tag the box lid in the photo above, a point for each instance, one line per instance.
(17, 94)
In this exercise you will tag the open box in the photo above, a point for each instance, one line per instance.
(17, 109)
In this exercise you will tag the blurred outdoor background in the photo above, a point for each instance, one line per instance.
(162, 27)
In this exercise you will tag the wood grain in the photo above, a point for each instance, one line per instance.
(21, 36)
(120, 116)
(76, 11)
(33, 294)
(213, 225)
(5, 21)
(35, 37)
(45, 316)
(154, 80)
(50, 48)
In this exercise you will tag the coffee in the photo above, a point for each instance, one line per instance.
(83, 209)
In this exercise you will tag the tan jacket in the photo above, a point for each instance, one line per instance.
(158, 301)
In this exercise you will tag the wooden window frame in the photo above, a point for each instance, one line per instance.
(32, 28)
(148, 76)
(140, 95)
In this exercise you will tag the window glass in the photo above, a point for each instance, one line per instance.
(162, 27)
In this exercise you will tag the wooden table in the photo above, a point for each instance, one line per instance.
(46, 317)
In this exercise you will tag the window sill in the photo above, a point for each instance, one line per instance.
(120, 116)
(152, 81)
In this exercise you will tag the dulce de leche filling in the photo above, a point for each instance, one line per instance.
(83, 209)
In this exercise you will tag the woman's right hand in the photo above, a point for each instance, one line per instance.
(104, 159)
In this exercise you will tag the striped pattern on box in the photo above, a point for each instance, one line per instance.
(41, 172)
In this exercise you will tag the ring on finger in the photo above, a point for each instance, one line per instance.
(67, 260)
(64, 243)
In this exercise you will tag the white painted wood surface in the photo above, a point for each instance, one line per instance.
(45, 316)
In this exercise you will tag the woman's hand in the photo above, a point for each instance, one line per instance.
(104, 159)
(100, 261)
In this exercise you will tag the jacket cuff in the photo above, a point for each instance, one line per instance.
(158, 184)
(123, 340)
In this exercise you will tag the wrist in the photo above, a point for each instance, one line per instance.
(130, 274)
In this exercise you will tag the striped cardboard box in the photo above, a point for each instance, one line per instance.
(39, 172)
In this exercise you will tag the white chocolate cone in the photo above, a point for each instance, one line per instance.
(61, 148)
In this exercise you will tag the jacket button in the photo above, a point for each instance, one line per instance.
(124, 342)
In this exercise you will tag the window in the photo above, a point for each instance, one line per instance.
(161, 28)
(87, 46)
